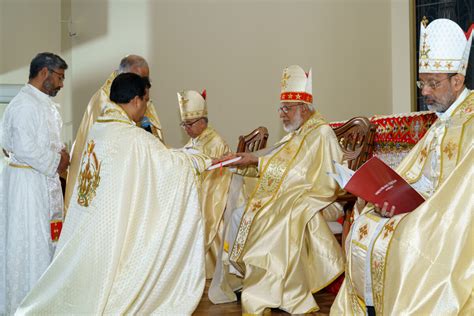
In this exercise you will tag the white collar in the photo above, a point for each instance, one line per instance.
(38, 92)
(447, 114)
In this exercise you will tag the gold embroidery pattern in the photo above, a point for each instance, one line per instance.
(424, 21)
(182, 100)
(357, 305)
(256, 205)
(284, 80)
(89, 176)
(378, 261)
(449, 149)
(194, 114)
(270, 179)
(378, 267)
(241, 238)
(363, 231)
(388, 229)
(466, 108)
(425, 49)
(423, 154)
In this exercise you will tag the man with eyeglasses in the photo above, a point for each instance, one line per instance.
(215, 183)
(31, 200)
(278, 247)
(420, 263)
(130, 63)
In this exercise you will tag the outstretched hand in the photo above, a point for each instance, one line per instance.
(247, 159)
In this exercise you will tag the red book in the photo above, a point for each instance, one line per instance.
(377, 183)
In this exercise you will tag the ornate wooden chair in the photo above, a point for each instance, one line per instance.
(256, 140)
(356, 138)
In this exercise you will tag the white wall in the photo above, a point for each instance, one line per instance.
(402, 51)
(237, 50)
(359, 51)
(28, 27)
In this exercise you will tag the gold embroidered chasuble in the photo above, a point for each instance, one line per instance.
(284, 247)
(133, 241)
(421, 262)
(214, 190)
(93, 111)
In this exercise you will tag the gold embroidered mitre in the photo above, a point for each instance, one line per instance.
(296, 85)
(192, 104)
(444, 47)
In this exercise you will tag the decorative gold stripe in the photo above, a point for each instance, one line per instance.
(255, 193)
(360, 245)
(113, 120)
(386, 257)
(361, 302)
(14, 165)
(348, 277)
(332, 280)
(372, 272)
(312, 310)
(373, 217)
(441, 59)
(441, 160)
(408, 173)
(461, 140)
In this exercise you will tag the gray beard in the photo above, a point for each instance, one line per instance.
(297, 122)
(436, 107)
(447, 100)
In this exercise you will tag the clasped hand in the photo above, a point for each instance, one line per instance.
(64, 161)
(385, 210)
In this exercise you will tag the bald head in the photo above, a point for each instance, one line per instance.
(134, 64)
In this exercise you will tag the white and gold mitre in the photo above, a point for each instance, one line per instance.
(296, 85)
(444, 47)
(192, 104)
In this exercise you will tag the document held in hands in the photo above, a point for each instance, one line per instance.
(377, 183)
(224, 163)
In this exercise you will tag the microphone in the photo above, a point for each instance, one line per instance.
(146, 124)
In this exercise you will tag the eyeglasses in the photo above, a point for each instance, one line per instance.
(286, 108)
(189, 124)
(61, 76)
(432, 84)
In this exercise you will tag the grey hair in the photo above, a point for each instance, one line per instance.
(131, 61)
(49, 60)
(310, 107)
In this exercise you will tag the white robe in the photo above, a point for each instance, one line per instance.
(30, 195)
(133, 239)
